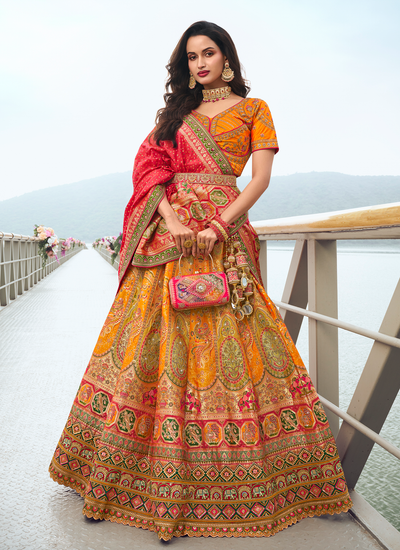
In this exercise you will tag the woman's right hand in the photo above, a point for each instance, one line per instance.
(181, 234)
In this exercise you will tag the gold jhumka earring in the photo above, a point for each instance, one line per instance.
(192, 81)
(227, 74)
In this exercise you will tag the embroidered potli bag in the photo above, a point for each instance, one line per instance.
(199, 289)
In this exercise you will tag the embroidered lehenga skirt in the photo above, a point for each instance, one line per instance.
(191, 422)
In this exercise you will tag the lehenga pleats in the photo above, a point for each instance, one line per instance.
(191, 423)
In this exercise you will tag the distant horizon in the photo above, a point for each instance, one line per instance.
(92, 208)
(242, 176)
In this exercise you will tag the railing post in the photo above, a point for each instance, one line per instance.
(29, 263)
(374, 395)
(38, 263)
(5, 274)
(14, 270)
(296, 291)
(22, 267)
(323, 338)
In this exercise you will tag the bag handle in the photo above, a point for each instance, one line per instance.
(179, 263)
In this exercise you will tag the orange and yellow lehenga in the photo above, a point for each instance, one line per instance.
(191, 422)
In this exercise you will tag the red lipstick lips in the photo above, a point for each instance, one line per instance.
(203, 73)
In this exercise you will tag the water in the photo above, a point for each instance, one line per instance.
(367, 277)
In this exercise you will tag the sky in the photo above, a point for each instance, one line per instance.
(81, 82)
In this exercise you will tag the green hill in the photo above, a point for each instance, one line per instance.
(86, 210)
(316, 192)
(93, 208)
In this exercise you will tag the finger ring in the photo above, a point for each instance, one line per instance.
(202, 246)
(188, 244)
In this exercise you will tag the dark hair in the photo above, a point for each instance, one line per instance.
(179, 99)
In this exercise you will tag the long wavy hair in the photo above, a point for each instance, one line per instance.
(179, 99)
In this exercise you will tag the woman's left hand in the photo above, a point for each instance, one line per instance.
(207, 237)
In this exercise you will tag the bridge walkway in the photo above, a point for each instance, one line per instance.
(47, 337)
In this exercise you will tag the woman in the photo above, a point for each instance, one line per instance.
(200, 422)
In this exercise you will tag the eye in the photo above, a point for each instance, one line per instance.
(209, 54)
(192, 57)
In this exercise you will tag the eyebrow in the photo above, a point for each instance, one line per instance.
(205, 49)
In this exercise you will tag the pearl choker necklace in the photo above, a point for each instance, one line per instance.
(216, 94)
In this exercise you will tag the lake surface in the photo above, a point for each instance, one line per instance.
(367, 277)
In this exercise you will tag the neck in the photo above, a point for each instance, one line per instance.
(219, 83)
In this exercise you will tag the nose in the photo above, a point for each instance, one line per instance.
(201, 62)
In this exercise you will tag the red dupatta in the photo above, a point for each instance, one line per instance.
(155, 165)
(152, 168)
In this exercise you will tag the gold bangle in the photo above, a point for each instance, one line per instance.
(222, 229)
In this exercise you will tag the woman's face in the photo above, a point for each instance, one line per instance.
(206, 61)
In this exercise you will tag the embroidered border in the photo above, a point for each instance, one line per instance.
(235, 226)
(264, 144)
(205, 179)
(198, 148)
(200, 134)
(135, 231)
(141, 260)
(211, 455)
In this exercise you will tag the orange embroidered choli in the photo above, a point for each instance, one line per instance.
(240, 130)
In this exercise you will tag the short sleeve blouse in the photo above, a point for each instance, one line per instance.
(241, 130)
(263, 135)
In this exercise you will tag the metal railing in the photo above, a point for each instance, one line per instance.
(21, 265)
(106, 254)
(312, 282)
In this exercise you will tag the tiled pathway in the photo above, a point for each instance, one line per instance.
(46, 338)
